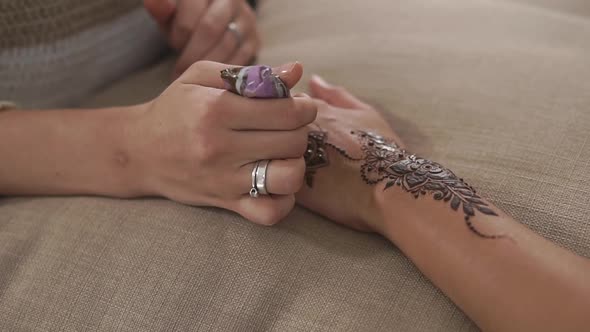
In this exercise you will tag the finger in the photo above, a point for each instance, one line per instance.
(208, 73)
(244, 54)
(267, 114)
(229, 42)
(283, 176)
(162, 11)
(189, 14)
(264, 210)
(207, 33)
(333, 95)
(257, 145)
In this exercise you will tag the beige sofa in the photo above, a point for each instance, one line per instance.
(497, 90)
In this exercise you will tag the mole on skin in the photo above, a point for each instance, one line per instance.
(121, 158)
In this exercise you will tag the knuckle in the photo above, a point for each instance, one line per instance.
(208, 116)
(300, 142)
(305, 112)
(210, 112)
(195, 69)
(206, 149)
(293, 179)
(210, 27)
(200, 151)
(274, 213)
(270, 216)
(199, 67)
(211, 115)
(247, 50)
(206, 27)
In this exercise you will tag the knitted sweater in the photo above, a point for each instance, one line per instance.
(55, 53)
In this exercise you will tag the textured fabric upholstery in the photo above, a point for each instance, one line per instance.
(56, 53)
(496, 90)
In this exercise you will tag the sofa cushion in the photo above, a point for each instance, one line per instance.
(496, 90)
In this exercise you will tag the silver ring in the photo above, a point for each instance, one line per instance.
(261, 176)
(254, 190)
(233, 27)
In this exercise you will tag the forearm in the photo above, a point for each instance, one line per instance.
(504, 276)
(65, 152)
(500, 273)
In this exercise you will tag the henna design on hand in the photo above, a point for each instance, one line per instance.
(383, 160)
(315, 155)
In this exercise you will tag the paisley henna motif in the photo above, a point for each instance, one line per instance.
(384, 161)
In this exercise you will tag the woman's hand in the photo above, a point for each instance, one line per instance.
(199, 30)
(198, 144)
(334, 187)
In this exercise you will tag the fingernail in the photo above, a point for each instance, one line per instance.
(287, 67)
(319, 80)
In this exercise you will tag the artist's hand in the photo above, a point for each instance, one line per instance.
(199, 30)
(336, 190)
(198, 143)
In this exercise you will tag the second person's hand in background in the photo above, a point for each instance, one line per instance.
(217, 30)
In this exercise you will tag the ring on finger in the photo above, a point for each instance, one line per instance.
(254, 191)
(261, 170)
(235, 30)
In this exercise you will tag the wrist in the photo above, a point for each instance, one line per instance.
(394, 211)
(375, 216)
(372, 207)
(123, 137)
(130, 157)
(70, 152)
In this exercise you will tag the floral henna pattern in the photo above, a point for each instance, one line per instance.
(384, 161)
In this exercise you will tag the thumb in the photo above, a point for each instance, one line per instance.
(162, 11)
(334, 95)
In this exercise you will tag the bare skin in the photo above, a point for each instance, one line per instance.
(196, 144)
(518, 281)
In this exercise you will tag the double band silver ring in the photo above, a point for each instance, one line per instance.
(261, 176)
(254, 190)
(259, 179)
(233, 27)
